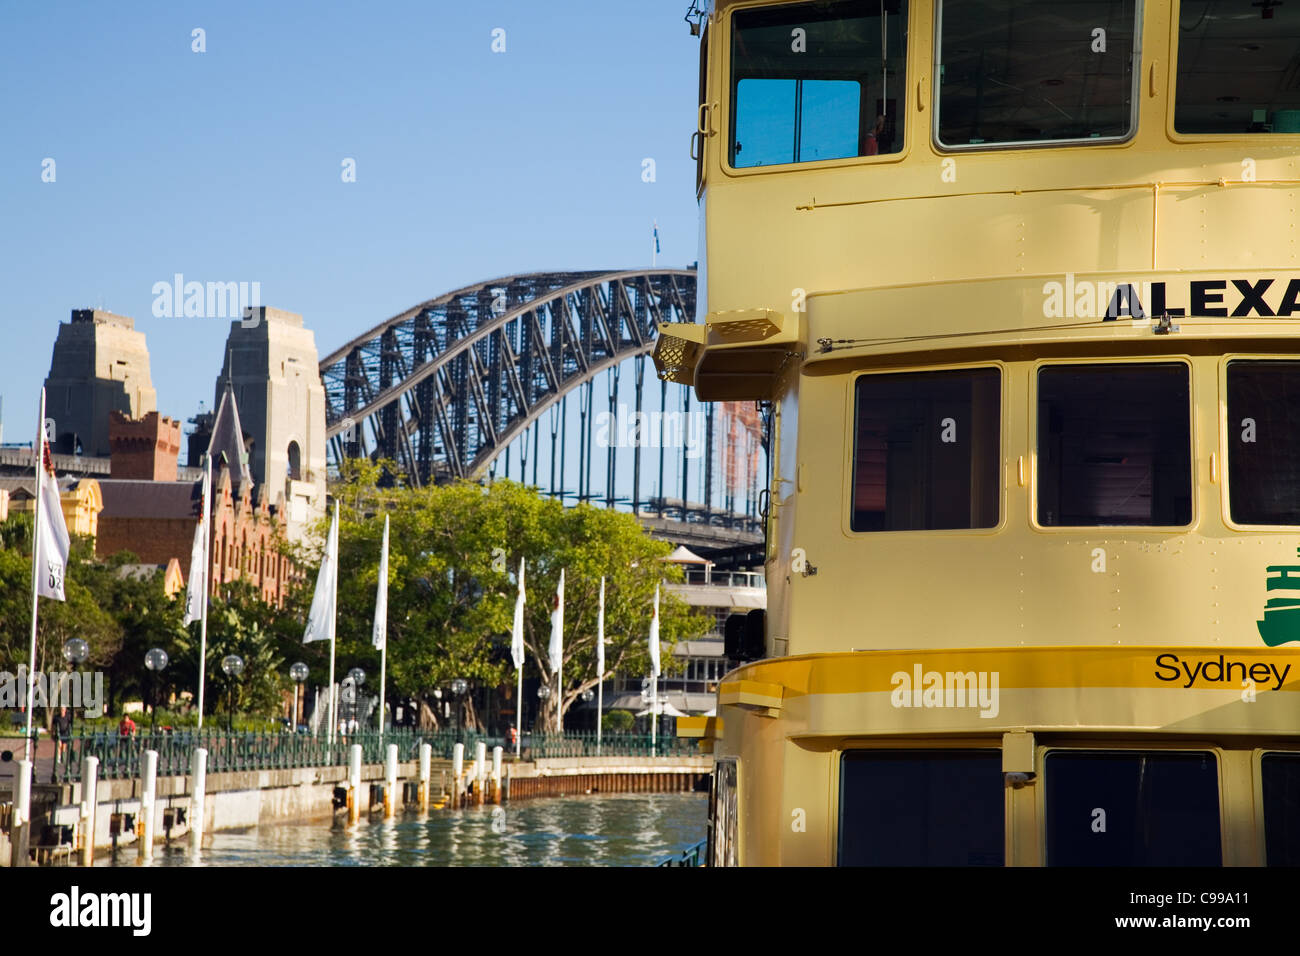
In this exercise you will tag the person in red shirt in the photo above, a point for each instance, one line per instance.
(127, 726)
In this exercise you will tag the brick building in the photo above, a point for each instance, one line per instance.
(153, 515)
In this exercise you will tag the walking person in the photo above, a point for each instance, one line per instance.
(62, 738)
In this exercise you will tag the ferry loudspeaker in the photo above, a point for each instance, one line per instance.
(744, 638)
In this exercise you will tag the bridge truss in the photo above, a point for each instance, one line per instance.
(447, 386)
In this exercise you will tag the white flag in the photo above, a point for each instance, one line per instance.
(600, 632)
(654, 636)
(194, 588)
(557, 627)
(197, 585)
(517, 631)
(52, 541)
(320, 620)
(379, 635)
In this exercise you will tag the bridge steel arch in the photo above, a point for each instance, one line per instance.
(447, 385)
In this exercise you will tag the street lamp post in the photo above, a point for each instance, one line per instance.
(75, 652)
(358, 677)
(155, 660)
(543, 695)
(298, 673)
(232, 665)
(458, 688)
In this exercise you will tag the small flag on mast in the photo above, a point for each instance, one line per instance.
(517, 630)
(600, 632)
(557, 627)
(379, 634)
(657, 249)
(197, 584)
(52, 540)
(320, 620)
(654, 636)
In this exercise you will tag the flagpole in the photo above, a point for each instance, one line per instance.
(207, 583)
(38, 454)
(333, 611)
(383, 651)
(600, 656)
(517, 655)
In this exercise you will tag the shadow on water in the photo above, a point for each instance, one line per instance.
(616, 830)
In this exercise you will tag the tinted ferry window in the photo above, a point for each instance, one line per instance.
(1236, 67)
(1263, 442)
(1132, 809)
(921, 808)
(1025, 71)
(1114, 445)
(817, 81)
(1281, 774)
(926, 451)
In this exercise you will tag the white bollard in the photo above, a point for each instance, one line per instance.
(89, 804)
(354, 783)
(19, 828)
(426, 766)
(198, 786)
(390, 780)
(496, 774)
(480, 770)
(148, 793)
(457, 772)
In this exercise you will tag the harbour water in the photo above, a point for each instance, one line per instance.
(634, 829)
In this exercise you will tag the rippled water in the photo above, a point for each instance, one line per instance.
(634, 829)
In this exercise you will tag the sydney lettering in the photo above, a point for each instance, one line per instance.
(1217, 670)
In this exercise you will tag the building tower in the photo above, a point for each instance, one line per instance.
(272, 364)
(100, 365)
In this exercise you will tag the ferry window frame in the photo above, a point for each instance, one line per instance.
(907, 105)
(1157, 746)
(967, 743)
(1193, 386)
(850, 449)
(1135, 98)
(1224, 445)
(1261, 824)
(1171, 102)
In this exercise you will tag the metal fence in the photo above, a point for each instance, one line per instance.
(693, 855)
(582, 743)
(119, 757)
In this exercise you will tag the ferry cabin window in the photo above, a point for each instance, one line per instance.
(1132, 809)
(1263, 442)
(1025, 71)
(1281, 773)
(817, 81)
(922, 808)
(926, 451)
(1237, 63)
(1114, 445)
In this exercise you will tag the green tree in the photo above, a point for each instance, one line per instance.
(454, 557)
(81, 615)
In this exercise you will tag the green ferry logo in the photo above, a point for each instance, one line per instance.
(1281, 624)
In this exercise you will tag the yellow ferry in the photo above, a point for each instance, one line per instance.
(1016, 283)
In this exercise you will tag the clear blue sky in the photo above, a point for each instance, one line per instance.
(225, 165)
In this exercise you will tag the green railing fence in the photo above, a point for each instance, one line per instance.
(693, 855)
(119, 757)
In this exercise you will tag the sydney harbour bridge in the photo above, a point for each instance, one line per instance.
(542, 378)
